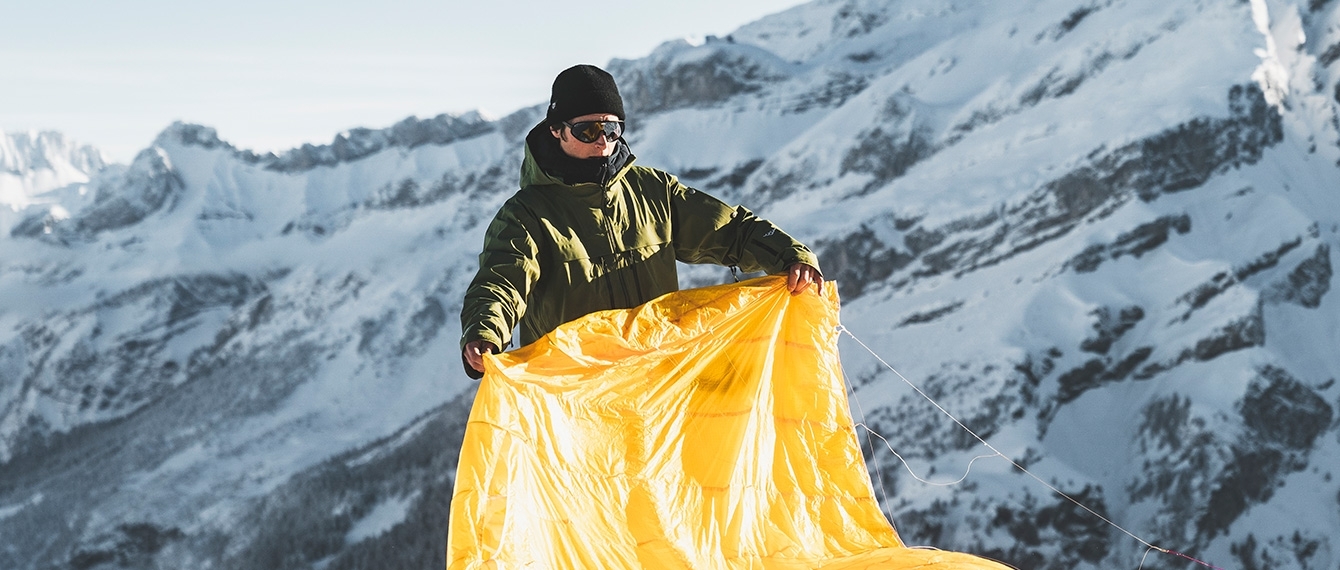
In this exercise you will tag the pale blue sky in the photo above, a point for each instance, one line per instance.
(271, 75)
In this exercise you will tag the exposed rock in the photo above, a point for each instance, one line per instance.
(734, 180)
(1109, 327)
(1177, 159)
(407, 193)
(1178, 448)
(1052, 534)
(347, 146)
(1098, 371)
(837, 89)
(1307, 283)
(1283, 418)
(887, 155)
(1284, 551)
(930, 314)
(308, 519)
(1068, 24)
(851, 20)
(148, 186)
(1282, 411)
(1189, 154)
(357, 143)
(1249, 478)
(1202, 294)
(678, 75)
(96, 375)
(132, 546)
(1243, 333)
(860, 259)
(1136, 242)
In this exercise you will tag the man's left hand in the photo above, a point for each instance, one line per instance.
(799, 276)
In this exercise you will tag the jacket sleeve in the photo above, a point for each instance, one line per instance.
(508, 270)
(706, 230)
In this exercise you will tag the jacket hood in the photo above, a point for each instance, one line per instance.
(545, 163)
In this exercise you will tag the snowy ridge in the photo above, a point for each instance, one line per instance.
(1102, 234)
(33, 164)
(346, 147)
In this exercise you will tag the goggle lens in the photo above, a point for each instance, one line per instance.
(589, 131)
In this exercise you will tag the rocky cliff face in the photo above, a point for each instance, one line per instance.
(1099, 234)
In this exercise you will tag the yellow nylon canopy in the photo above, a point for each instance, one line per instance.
(706, 429)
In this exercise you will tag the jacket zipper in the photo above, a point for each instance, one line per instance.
(609, 262)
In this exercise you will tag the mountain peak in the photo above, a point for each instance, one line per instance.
(347, 146)
(36, 162)
(408, 133)
(46, 150)
(191, 134)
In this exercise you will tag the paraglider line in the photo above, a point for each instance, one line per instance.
(879, 473)
(908, 467)
(842, 329)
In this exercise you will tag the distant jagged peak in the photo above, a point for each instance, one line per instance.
(805, 31)
(124, 196)
(33, 164)
(190, 134)
(681, 74)
(409, 133)
(23, 152)
(696, 44)
(514, 126)
(686, 49)
(347, 146)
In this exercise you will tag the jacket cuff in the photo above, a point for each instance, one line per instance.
(481, 334)
(470, 372)
(808, 258)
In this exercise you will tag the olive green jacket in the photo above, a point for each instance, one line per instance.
(555, 252)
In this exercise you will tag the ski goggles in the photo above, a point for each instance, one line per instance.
(589, 131)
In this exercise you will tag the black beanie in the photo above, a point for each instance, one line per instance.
(583, 90)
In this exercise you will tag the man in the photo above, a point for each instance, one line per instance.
(590, 231)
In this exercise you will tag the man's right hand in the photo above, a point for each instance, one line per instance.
(474, 352)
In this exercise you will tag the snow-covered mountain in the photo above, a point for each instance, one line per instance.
(45, 168)
(1100, 233)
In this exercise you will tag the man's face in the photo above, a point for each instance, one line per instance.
(578, 149)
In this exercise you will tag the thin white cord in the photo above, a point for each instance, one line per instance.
(909, 467)
(843, 329)
(879, 474)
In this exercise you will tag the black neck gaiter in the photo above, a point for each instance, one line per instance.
(551, 158)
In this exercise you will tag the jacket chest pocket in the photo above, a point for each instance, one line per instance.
(571, 248)
(579, 235)
(581, 263)
(578, 260)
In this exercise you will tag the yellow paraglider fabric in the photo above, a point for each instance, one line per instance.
(706, 429)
